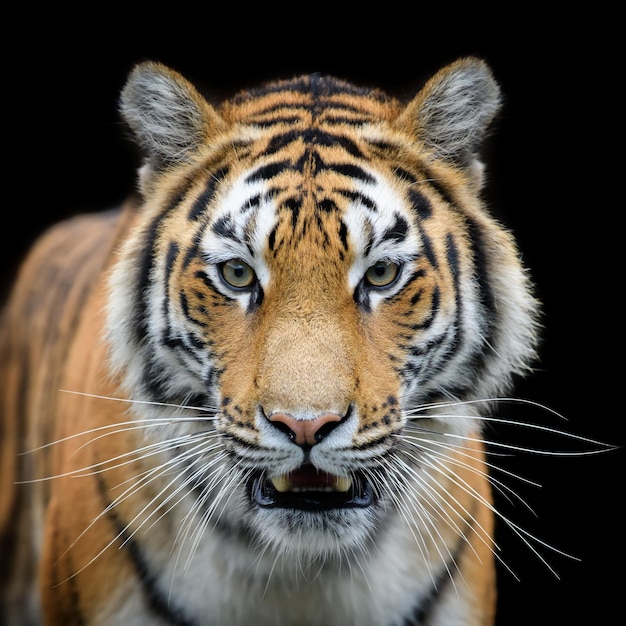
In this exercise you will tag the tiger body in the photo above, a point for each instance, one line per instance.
(264, 378)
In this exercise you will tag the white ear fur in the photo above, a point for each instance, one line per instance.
(452, 112)
(168, 116)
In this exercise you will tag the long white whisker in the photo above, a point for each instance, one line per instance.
(144, 479)
(426, 523)
(503, 488)
(486, 401)
(528, 425)
(524, 535)
(143, 402)
(208, 515)
(137, 424)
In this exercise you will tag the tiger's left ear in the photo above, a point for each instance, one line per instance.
(453, 110)
(169, 118)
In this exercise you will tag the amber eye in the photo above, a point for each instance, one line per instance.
(382, 274)
(238, 274)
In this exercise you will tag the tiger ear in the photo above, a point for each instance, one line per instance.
(453, 110)
(169, 118)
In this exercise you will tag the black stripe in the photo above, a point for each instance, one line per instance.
(481, 265)
(252, 203)
(294, 205)
(310, 159)
(267, 172)
(353, 171)
(327, 205)
(312, 137)
(436, 183)
(355, 196)
(146, 263)
(421, 204)
(172, 254)
(320, 86)
(398, 231)
(271, 240)
(426, 604)
(203, 200)
(489, 315)
(224, 227)
(452, 255)
(429, 251)
(345, 120)
(274, 121)
(343, 234)
(159, 602)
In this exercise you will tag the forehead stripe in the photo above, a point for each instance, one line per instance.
(314, 137)
(202, 201)
(267, 172)
(358, 198)
(421, 204)
(398, 231)
(224, 227)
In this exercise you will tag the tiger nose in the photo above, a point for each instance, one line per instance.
(305, 432)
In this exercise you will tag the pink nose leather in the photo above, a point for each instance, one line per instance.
(305, 432)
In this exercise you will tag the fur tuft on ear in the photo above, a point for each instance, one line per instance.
(168, 116)
(452, 112)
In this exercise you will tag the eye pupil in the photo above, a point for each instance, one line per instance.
(238, 274)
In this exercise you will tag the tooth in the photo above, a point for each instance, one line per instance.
(342, 483)
(281, 483)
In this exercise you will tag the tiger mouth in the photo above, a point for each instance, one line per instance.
(310, 489)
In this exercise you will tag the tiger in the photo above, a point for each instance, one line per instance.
(255, 393)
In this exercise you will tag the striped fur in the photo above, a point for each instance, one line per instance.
(263, 378)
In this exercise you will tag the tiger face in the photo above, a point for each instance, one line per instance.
(314, 270)
(303, 319)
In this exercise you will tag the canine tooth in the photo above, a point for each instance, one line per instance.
(281, 483)
(342, 483)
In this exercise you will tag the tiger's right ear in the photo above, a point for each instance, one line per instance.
(452, 112)
(169, 118)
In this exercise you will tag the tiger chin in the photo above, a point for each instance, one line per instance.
(253, 394)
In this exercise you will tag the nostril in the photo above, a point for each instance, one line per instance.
(325, 429)
(283, 427)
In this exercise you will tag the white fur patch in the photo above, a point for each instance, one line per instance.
(365, 223)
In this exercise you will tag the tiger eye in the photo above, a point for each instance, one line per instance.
(237, 273)
(382, 274)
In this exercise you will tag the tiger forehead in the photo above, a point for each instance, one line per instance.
(314, 170)
(299, 210)
(317, 127)
(310, 100)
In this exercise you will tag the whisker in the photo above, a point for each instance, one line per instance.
(405, 507)
(526, 537)
(604, 447)
(131, 456)
(137, 424)
(143, 402)
(226, 488)
(506, 491)
(143, 480)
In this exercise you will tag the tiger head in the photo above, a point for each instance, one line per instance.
(314, 297)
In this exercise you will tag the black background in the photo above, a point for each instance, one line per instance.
(550, 180)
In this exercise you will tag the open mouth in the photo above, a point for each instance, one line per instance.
(310, 489)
